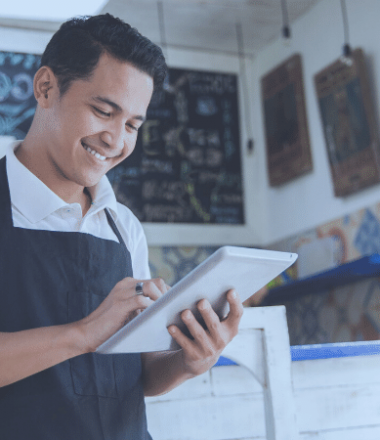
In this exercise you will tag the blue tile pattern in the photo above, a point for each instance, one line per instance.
(179, 261)
(304, 323)
(367, 239)
(371, 304)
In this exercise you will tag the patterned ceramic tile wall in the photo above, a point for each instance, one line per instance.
(173, 263)
(348, 313)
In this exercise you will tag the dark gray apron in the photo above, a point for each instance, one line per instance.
(52, 278)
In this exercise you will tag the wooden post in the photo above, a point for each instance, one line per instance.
(262, 346)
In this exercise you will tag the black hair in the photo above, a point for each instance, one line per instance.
(74, 50)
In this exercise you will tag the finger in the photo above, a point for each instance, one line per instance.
(150, 288)
(196, 330)
(182, 340)
(211, 320)
(139, 302)
(134, 306)
(236, 309)
(160, 283)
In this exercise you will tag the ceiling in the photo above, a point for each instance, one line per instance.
(208, 24)
(211, 25)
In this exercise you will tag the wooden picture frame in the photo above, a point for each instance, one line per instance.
(286, 129)
(349, 124)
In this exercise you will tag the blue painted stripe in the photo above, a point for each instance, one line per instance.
(326, 351)
(323, 351)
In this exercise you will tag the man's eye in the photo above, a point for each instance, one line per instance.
(102, 113)
(133, 127)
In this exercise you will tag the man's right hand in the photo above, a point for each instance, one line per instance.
(28, 352)
(121, 305)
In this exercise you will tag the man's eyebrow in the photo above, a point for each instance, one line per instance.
(107, 101)
(116, 106)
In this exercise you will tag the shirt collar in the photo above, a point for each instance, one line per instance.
(27, 191)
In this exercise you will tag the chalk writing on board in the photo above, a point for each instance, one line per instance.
(187, 154)
(17, 102)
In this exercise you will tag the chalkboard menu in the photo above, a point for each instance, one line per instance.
(17, 102)
(186, 167)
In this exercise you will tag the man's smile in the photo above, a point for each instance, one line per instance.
(93, 152)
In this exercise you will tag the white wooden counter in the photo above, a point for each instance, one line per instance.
(332, 399)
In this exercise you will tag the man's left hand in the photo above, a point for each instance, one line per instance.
(202, 352)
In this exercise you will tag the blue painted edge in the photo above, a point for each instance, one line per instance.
(337, 350)
(323, 351)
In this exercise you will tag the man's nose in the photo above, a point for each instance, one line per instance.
(114, 136)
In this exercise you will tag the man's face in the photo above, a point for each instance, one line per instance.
(93, 127)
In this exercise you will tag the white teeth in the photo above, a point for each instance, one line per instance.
(94, 153)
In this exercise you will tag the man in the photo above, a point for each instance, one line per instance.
(73, 259)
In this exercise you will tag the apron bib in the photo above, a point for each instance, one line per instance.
(52, 278)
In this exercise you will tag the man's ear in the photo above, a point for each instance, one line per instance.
(45, 86)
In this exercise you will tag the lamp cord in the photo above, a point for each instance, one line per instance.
(346, 47)
(161, 22)
(240, 42)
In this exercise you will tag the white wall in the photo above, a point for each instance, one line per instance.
(318, 36)
(28, 41)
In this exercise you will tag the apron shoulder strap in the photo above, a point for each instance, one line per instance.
(5, 198)
(121, 241)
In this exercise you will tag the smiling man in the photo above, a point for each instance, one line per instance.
(73, 260)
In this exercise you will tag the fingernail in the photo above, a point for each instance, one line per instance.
(233, 293)
(172, 329)
(203, 305)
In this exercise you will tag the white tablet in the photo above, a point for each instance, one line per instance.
(244, 269)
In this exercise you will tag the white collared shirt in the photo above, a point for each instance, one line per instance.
(35, 206)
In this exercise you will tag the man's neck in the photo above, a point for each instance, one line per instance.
(67, 191)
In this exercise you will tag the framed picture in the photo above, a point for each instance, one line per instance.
(286, 130)
(349, 124)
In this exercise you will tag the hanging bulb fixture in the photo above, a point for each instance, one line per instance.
(286, 32)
